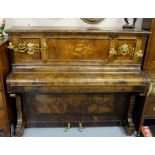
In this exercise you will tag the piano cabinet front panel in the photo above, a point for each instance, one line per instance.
(56, 109)
(84, 48)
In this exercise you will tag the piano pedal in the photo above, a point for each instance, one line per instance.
(81, 127)
(68, 127)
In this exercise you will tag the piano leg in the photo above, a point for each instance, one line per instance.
(140, 127)
(130, 128)
(19, 130)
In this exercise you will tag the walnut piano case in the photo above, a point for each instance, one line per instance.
(75, 76)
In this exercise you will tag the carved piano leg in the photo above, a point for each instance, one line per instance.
(20, 123)
(6, 131)
(130, 126)
(140, 126)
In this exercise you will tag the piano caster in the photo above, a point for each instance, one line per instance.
(68, 127)
(81, 127)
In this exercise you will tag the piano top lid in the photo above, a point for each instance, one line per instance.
(60, 29)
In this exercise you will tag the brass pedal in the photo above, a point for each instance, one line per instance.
(68, 127)
(81, 127)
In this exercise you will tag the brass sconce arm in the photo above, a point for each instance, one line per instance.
(124, 50)
(31, 48)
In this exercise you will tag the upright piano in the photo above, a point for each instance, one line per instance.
(75, 76)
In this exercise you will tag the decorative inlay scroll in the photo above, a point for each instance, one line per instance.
(78, 50)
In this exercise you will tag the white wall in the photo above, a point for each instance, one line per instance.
(107, 22)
